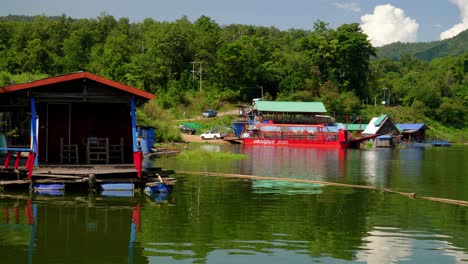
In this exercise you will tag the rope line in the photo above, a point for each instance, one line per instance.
(254, 177)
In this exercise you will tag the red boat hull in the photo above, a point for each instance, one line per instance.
(295, 143)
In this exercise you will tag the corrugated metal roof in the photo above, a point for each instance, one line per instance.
(381, 118)
(413, 127)
(356, 127)
(295, 107)
(371, 129)
(384, 137)
(76, 76)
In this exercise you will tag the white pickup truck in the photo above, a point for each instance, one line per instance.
(210, 134)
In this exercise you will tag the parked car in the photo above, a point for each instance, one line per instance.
(209, 113)
(187, 130)
(210, 134)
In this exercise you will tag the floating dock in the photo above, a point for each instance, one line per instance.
(79, 178)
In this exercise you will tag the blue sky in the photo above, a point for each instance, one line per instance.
(384, 21)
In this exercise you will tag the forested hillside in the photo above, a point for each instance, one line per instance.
(195, 65)
(426, 50)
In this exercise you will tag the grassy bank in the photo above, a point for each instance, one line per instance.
(194, 151)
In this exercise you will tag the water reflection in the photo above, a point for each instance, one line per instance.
(213, 220)
(70, 229)
(393, 245)
(374, 167)
(285, 187)
(310, 163)
(225, 220)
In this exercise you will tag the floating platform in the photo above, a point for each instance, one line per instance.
(440, 143)
(56, 179)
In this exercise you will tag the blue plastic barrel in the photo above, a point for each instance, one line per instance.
(117, 193)
(117, 189)
(144, 146)
(49, 186)
(117, 186)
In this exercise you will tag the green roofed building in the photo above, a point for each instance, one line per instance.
(385, 128)
(381, 125)
(290, 107)
(356, 127)
(282, 112)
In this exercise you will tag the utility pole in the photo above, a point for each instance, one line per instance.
(261, 89)
(193, 72)
(200, 72)
(384, 101)
(388, 97)
(201, 76)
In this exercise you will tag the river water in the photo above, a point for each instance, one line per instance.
(210, 219)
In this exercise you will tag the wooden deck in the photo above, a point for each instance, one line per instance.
(82, 177)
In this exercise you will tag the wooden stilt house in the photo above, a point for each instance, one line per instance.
(77, 118)
(385, 129)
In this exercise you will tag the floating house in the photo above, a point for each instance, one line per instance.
(413, 132)
(77, 118)
(385, 129)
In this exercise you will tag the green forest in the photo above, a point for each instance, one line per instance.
(192, 66)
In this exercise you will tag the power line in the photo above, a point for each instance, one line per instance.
(200, 72)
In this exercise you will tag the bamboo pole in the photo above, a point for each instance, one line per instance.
(254, 177)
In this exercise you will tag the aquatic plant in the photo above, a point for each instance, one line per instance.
(201, 154)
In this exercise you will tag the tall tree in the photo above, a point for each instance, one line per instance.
(352, 58)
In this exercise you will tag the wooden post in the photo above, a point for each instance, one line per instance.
(17, 162)
(61, 150)
(137, 155)
(30, 164)
(34, 130)
(7, 159)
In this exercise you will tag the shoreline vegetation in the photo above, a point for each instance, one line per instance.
(437, 131)
(200, 65)
(190, 148)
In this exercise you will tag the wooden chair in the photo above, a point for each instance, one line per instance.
(68, 152)
(116, 151)
(97, 150)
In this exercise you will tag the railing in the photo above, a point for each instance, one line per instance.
(29, 162)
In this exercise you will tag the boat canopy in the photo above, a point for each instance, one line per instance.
(289, 107)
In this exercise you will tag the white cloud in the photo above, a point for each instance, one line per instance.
(455, 30)
(349, 6)
(389, 24)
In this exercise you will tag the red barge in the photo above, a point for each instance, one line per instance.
(296, 124)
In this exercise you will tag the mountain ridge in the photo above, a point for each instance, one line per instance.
(426, 50)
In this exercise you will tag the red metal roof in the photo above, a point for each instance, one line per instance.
(76, 76)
